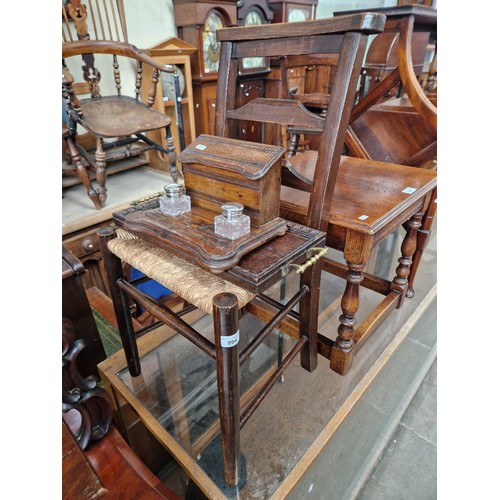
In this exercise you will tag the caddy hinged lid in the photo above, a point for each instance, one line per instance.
(249, 159)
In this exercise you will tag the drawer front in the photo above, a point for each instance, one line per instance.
(83, 245)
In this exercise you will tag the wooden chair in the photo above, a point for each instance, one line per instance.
(382, 58)
(116, 121)
(404, 21)
(358, 202)
(104, 20)
(224, 296)
(390, 56)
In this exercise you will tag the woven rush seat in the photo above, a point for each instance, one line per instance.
(187, 280)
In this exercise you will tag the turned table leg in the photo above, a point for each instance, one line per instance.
(357, 250)
(225, 309)
(408, 247)
(423, 235)
(342, 352)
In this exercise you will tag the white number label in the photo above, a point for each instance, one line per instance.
(230, 340)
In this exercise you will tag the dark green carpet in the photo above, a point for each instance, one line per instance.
(109, 335)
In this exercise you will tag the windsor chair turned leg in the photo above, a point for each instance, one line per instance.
(81, 170)
(101, 175)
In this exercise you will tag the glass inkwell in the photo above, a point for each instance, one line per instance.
(175, 201)
(232, 223)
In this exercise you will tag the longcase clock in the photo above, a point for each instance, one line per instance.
(291, 11)
(197, 22)
(252, 70)
(178, 53)
(285, 11)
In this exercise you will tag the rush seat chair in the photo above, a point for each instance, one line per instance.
(231, 292)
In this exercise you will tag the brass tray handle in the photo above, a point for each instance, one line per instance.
(299, 269)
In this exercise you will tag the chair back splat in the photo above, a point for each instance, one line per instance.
(346, 37)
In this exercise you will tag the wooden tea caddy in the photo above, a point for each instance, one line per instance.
(216, 170)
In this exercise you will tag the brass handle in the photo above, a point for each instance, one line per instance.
(299, 269)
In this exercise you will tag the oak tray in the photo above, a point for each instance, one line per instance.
(191, 235)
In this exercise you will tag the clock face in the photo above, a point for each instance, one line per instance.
(297, 14)
(254, 17)
(211, 47)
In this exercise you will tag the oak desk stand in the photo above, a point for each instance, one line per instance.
(224, 295)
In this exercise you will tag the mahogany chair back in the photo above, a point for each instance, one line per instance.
(394, 117)
(382, 58)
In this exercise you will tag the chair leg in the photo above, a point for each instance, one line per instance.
(308, 317)
(408, 248)
(101, 175)
(225, 309)
(172, 157)
(423, 235)
(114, 272)
(82, 172)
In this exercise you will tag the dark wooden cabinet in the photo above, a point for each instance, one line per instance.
(83, 244)
(249, 88)
(76, 308)
(204, 93)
